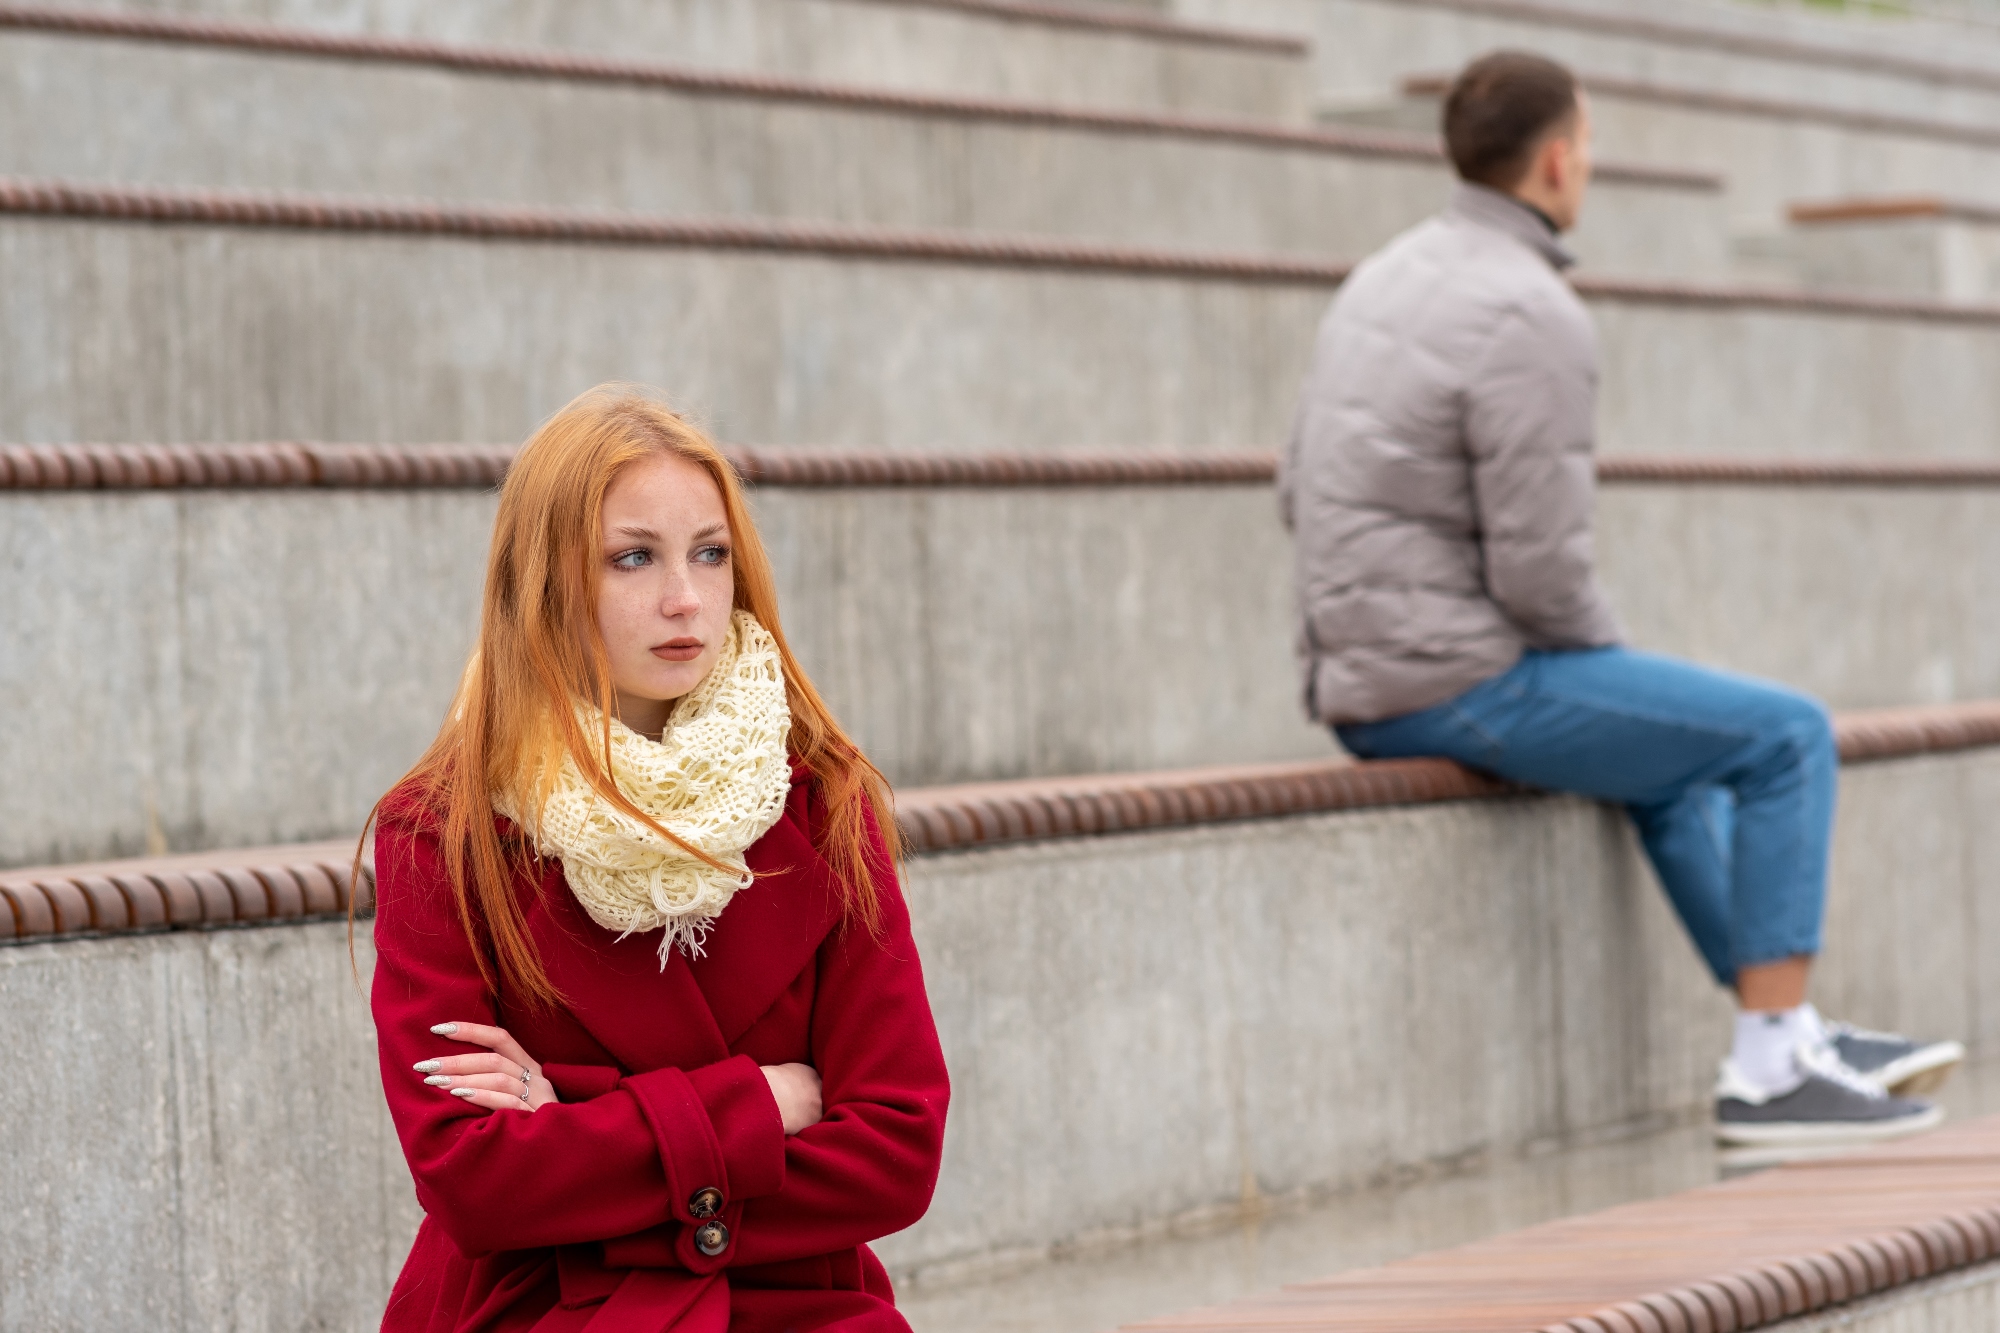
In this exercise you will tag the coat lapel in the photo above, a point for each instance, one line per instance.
(690, 1013)
(646, 1017)
(771, 930)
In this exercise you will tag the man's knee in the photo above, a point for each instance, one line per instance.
(1803, 725)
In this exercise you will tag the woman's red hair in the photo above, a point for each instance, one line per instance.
(540, 649)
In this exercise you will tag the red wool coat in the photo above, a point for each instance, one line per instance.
(583, 1214)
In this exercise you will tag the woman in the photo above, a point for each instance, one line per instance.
(653, 1032)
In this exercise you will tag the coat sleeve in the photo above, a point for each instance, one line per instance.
(1528, 429)
(869, 1166)
(568, 1173)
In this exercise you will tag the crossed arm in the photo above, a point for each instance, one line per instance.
(812, 1158)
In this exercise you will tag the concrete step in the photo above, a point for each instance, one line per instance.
(1174, 1024)
(1916, 245)
(194, 667)
(1899, 1236)
(1892, 65)
(1275, 1243)
(1771, 152)
(286, 109)
(196, 316)
(1001, 48)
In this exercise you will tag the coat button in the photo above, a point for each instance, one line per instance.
(711, 1238)
(705, 1202)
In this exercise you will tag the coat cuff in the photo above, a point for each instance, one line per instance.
(717, 1128)
(580, 1083)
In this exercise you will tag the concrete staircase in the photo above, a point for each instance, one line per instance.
(986, 243)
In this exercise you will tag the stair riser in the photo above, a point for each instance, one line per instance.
(914, 47)
(120, 331)
(190, 116)
(256, 667)
(1362, 48)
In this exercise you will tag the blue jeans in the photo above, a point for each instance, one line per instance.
(1730, 780)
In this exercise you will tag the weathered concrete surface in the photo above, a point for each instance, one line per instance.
(1771, 163)
(240, 668)
(192, 116)
(196, 1137)
(120, 331)
(1955, 258)
(1363, 48)
(1868, 598)
(1242, 1252)
(235, 670)
(1278, 1241)
(1270, 977)
(877, 43)
(1139, 1028)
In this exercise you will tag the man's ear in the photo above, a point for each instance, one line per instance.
(1556, 161)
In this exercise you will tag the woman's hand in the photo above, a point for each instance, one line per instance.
(797, 1089)
(501, 1078)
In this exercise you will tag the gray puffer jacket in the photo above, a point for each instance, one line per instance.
(1439, 480)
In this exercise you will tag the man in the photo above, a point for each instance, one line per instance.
(1440, 485)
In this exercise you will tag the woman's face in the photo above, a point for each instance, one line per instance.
(666, 587)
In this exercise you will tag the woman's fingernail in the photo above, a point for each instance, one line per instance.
(463, 1092)
(428, 1066)
(439, 1080)
(445, 1029)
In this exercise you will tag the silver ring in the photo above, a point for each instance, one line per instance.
(527, 1076)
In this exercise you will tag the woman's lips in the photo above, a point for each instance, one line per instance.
(678, 650)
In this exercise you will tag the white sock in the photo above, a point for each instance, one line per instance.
(1767, 1045)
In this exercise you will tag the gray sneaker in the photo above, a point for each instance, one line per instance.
(1831, 1105)
(1902, 1067)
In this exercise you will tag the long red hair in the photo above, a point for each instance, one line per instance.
(540, 649)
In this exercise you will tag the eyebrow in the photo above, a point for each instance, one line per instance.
(636, 530)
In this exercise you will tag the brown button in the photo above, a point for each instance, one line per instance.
(705, 1202)
(711, 1238)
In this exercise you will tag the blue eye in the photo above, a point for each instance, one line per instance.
(633, 559)
(712, 555)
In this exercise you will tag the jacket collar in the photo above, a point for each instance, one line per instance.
(1504, 213)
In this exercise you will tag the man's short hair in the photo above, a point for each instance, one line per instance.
(1499, 108)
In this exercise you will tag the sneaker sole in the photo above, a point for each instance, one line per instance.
(1922, 1071)
(1781, 1132)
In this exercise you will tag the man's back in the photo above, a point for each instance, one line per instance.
(1439, 478)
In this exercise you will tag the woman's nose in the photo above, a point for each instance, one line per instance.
(679, 597)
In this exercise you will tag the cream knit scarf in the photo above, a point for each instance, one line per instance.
(718, 778)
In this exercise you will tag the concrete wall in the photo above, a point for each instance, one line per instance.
(118, 331)
(1362, 48)
(878, 43)
(1772, 163)
(218, 668)
(196, 1138)
(191, 116)
(121, 332)
(233, 670)
(1138, 1027)
(1954, 258)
